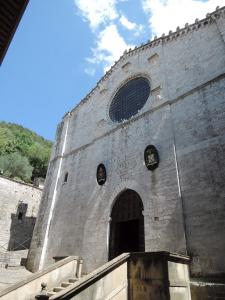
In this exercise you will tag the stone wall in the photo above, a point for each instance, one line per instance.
(184, 118)
(19, 206)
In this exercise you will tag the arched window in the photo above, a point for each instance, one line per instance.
(66, 177)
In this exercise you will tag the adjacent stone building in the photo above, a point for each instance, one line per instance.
(138, 165)
(19, 207)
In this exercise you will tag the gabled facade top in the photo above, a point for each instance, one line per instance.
(165, 38)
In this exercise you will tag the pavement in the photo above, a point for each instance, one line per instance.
(12, 275)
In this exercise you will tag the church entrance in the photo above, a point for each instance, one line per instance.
(127, 225)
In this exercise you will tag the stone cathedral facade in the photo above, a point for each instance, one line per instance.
(139, 164)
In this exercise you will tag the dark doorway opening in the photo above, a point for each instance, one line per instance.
(127, 225)
(128, 236)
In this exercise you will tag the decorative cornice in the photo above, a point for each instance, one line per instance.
(210, 18)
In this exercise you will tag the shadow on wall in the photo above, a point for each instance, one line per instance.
(21, 229)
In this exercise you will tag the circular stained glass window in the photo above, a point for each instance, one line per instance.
(129, 99)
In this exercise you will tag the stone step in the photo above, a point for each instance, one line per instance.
(58, 289)
(51, 293)
(66, 284)
(73, 280)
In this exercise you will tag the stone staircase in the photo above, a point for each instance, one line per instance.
(136, 276)
(56, 276)
(63, 286)
(129, 273)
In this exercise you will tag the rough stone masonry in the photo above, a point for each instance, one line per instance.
(19, 207)
(183, 118)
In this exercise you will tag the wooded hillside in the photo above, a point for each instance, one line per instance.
(23, 153)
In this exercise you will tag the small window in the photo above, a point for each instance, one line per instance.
(21, 210)
(66, 177)
(20, 216)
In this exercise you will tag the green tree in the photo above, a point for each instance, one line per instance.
(17, 139)
(7, 141)
(15, 165)
(39, 156)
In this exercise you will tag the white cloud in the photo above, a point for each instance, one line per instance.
(90, 71)
(110, 46)
(131, 25)
(165, 15)
(104, 21)
(127, 24)
(97, 12)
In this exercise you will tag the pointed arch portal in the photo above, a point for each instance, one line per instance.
(127, 225)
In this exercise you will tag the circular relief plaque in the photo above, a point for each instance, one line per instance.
(151, 157)
(101, 174)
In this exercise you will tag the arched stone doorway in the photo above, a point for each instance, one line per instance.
(127, 225)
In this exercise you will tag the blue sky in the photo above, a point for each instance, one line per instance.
(63, 47)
